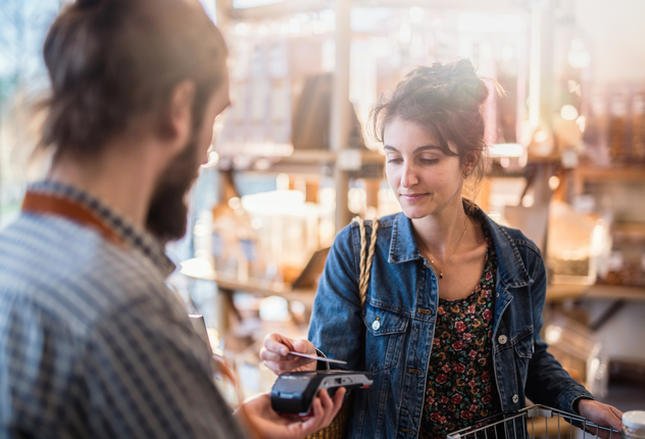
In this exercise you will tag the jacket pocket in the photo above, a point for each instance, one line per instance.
(384, 336)
(523, 352)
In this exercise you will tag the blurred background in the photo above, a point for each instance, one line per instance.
(294, 158)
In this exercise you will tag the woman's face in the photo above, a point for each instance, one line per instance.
(424, 179)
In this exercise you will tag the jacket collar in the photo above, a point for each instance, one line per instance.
(403, 246)
(511, 269)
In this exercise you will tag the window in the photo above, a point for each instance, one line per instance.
(23, 25)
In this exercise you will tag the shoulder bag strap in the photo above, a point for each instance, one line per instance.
(366, 256)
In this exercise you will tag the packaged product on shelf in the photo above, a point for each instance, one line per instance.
(224, 249)
(618, 106)
(576, 243)
(579, 352)
(638, 127)
(311, 116)
(594, 135)
(250, 261)
(287, 230)
(626, 266)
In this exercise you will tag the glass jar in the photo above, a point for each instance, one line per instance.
(634, 424)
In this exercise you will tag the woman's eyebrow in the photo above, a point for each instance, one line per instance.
(427, 147)
(416, 150)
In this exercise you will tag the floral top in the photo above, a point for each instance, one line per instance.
(460, 383)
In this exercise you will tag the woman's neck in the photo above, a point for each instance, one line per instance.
(443, 233)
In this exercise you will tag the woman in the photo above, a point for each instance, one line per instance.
(450, 328)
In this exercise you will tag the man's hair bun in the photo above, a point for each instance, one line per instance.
(87, 3)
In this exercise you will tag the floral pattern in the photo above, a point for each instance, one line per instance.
(460, 383)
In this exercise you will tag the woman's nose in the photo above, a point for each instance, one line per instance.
(408, 176)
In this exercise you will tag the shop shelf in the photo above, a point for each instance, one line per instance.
(560, 292)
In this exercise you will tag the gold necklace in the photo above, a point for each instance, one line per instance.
(434, 263)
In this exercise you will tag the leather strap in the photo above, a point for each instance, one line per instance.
(50, 204)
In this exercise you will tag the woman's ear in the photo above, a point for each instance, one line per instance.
(176, 121)
(469, 163)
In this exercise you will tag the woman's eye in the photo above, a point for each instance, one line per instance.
(429, 160)
(394, 160)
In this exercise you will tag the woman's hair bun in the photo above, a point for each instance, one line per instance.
(455, 84)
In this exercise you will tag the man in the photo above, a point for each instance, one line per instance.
(92, 343)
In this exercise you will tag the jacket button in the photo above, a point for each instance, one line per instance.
(376, 325)
(515, 399)
(502, 339)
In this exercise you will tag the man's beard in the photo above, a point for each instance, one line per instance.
(168, 213)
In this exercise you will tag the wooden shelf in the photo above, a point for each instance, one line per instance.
(284, 8)
(628, 230)
(201, 269)
(560, 292)
(618, 173)
(278, 9)
(366, 163)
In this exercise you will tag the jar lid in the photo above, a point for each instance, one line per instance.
(634, 419)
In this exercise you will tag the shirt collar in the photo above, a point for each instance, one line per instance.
(124, 231)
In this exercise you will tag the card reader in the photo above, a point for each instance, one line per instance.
(293, 392)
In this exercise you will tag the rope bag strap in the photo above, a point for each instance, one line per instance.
(366, 256)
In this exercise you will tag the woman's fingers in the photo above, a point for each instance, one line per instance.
(303, 346)
(278, 344)
(275, 353)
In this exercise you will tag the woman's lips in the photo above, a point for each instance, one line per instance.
(413, 197)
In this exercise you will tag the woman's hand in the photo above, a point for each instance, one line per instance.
(265, 423)
(602, 414)
(275, 354)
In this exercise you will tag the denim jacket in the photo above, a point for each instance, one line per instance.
(390, 336)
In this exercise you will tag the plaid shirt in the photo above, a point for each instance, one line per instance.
(92, 342)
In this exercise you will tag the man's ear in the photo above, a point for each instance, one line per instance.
(176, 121)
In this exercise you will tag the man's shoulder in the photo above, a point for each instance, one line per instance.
(70, 272)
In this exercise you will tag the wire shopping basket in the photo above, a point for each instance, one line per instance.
(536, 421)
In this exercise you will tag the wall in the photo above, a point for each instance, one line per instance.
(614, 31)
